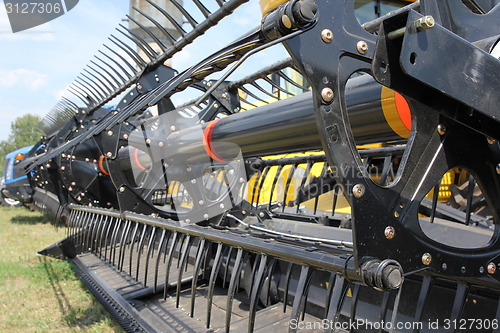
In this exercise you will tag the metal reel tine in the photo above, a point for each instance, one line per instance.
(147, 31)
(183, 256)
(238, 265)
(152, 239)
(425, 291)
(90, 86)
(110, 84)
(201, 7)
(211, 283)
(141, 43)
(199, 255)
(335, 300)
(158, 258)
(185, 14)
(170, 18)
(257, 286)
(169, 262)
(118, 83)
(140, 250)
(127, 49)
(132, 68)
(102, 85)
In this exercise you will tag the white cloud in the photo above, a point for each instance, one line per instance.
(40, 33)
(28, 78)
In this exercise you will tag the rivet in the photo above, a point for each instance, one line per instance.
(441, 129)
(110, 133)
(362, 47)
(216, 106)
(327, 94)
(221, 206)
(389, 232)
(327, 35)
(172, 128)
(286, 21)
(160, 144)
(358, 190)
(426, 259)
(492, 268)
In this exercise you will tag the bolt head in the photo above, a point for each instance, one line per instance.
(425, 22)
(389, 232)
(441, 129)
(242, 180)
(160, 144)
(201, 202)
(188, 169)
(327, 94)
(110, 133)
(286, 21)
(492, 268)
(327, 35)
(63, 168)
(188, 221)
(498, 168)
(221, 206)
(426, 259)
(358, 190)
(193, 181)
(205, 216)
(87, 159)
(224, 95)
(79, 199)
(109, 154)
(362, 47)
(122, 189)
(139, 87)
(261, 214)
(125, 136)
(148, 141)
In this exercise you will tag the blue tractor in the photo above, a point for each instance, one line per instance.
(15, 187)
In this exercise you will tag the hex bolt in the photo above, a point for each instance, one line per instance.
(441, 129)
(362, 47)
(389, 232)
(122, 189)
(286, 21)
(424, 23)
(327, 94)
(426, 259)
(327, 35)
(492, 268)
(110, 133)
(358, 190)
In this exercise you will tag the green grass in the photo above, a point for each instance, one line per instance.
(39, 294)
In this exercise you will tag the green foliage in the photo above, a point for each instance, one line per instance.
(24, 132)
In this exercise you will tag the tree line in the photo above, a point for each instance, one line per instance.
(24, 131)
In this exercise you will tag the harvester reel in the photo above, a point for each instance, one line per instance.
(438, 142)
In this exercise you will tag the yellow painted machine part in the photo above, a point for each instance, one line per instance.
(268, 5)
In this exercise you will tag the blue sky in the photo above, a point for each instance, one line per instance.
(38, 64)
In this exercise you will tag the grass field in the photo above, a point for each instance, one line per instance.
(38, 294)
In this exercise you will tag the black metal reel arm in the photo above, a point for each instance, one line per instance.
(448, 130)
